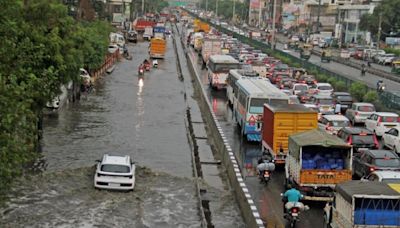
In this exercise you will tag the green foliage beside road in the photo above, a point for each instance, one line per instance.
(225, 8)
(41, 49)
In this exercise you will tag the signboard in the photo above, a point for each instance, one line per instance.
(392, 40)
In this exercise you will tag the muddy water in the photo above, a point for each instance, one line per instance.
(68, 199)
(122, 116)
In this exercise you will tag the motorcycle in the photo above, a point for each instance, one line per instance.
(147, 66)
(141, 72)
(292, 214)
(265, 169)
(266, 176)
(380, 88)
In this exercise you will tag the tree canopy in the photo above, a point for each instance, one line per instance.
(225, 8)
(41, 48)
(390, 15)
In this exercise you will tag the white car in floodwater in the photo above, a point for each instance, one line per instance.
(115, 173)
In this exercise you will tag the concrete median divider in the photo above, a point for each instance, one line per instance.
(247, 206)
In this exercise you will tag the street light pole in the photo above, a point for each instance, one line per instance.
(319, 13)
(206, 6)
(273, 26)
(233, 11)
(142, 7)
(259, 13)
(216, 8)
(379, 31)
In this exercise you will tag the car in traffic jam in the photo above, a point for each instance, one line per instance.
(341, 137)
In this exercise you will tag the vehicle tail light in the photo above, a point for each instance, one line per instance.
(357, 113)
(398, 119)
(303, 82)
(295, 210)
(372, 169)
(350, 140)
(376, 142)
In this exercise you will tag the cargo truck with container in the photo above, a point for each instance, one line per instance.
(282, 120)
(159, 31)
(158, 47)
(202, 27)
(211, 46)
(364, 204)
(316, 162)
(198, 41)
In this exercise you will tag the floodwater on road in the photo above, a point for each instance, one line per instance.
(122, 117)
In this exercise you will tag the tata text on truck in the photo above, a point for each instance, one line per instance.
(316, 162)
(218, 69)
(364, 204)
(280, 121)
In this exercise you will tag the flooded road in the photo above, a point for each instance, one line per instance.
(266, 198)
(122, 117)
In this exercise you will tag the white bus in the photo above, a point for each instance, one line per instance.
(231, 87)
(252, 94)
(218, 69)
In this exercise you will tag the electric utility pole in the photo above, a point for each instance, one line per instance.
(319, 13)
(233, 11)
(273, 26)
(379, 31)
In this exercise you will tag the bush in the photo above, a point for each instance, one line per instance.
(332, 81)
(392, 50)
(321, 77)
(371, 96)
(340, 86)
(357, 90)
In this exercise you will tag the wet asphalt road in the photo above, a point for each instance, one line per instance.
(349, 72)
(267, 198)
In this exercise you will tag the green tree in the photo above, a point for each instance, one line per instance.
(225, 8)
(41, 48)
(357, 90)
(389, 10)
(370, 96)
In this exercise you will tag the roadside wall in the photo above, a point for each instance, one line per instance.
(248, 208)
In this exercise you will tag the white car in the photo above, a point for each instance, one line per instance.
(386, 176)
(295, 38)
(115, 173)
(112, 48)
(333, 123)
(381, 122)
(391, 139)
(386, 59)
(324, 89)
(359, 112)
(298, 88)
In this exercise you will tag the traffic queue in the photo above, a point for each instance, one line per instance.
(327, 142)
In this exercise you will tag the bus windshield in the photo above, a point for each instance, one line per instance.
(224, 67)
(257, 105)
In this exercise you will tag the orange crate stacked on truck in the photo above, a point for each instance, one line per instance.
(317, 176)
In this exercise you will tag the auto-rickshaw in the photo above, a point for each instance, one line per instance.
(396, 66)
(326, 55)
(305, 51)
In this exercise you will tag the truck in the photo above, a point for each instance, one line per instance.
(202, 27)
(316, 162)
(364, 204)
(148, 33)
(281, 120)
(211, 46)
(197, 41)
(158, 47)
(159, 31)
(141, 24)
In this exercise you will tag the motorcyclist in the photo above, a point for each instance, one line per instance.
(141, 68)
(265, 158)
(380, 86)
(146, 62)
(292, 198)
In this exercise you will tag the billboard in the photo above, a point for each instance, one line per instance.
(254, 4)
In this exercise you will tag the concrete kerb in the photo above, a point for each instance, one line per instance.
(249, 211)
